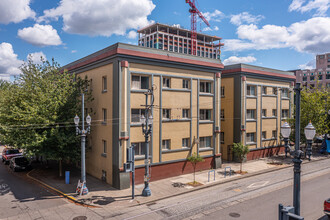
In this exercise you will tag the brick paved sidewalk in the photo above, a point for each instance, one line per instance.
(103, 195)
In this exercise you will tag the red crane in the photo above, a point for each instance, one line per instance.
(194, 12)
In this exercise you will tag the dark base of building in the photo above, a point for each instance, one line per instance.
(264, 152)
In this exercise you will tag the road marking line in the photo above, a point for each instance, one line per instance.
(258, 184)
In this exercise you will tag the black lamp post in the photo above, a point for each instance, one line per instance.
(286, 131)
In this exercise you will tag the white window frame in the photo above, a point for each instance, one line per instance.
(284, 115)
(264, 135)
(104, 84)
(285, 93)
(248, 139)
(264, 113)
(248, 113)
(274, 111)
(274, 136)
(141, 112)
(138, 84)
(205, 87)
(166, 144)
(166, 82)
(185, 84)
(264, 90)
(166, 114)
(185, 142)
(249, 90)
(203, 113)
(203, 142)
(185, 113)
(104, 115)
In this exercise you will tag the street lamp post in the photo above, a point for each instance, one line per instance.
(285, 131)
(147, 121)
(310, 134)
(83, 133)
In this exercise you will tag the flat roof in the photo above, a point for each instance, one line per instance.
(208, 37)
(241, 67)
(150, 53)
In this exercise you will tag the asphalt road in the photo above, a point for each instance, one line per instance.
(20, 195)
(255, 197)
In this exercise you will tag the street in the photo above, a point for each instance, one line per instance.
(255, 197)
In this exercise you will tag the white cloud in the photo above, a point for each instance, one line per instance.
(9, 64)
(40, 35)
(321, 6)
(132, 34)
(101, 18)
(36, 57)
(216, 28)
(245, 18)
(235, 59)
(309, 65)
(15, 11)
(73, 51)
(312, 36)
(176, 25)
(214, 16)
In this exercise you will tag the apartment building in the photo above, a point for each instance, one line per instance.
(186, 112)
(254, 103)
(318, 77)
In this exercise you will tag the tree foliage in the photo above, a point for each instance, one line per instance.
(240, 152)
(194, 159)
(314, 105)
(37, 111)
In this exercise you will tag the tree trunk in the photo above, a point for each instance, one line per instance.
(241, 166)
(60, 168)
(194, 173)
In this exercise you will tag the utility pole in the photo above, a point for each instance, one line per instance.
(147, 121)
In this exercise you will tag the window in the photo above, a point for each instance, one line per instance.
(250, 137)
(321, 56)
(104, 84)
(205, 114)
(185, 113)
(285, 93)
(222, 137)
(222, 91)
(166, 82)
(311, 78)
(205, 87)
(264, 90)
(166, 113)
(140, 149)
(304, 78)
(166, 144)
(104, 146)
(104, 176)
(274, 91)
(251, 90)
(222, 114)
(140, 82)
(264, 113)
(136, 115)
(274, 112)
(185, 142)
(185, 84)
(205, 142)
(328, 85)
(328, 76)
(285, 113)
(274, 134)
(263, 135)
(104, 114)
(320, 77)
(328, 66)
(250, 114)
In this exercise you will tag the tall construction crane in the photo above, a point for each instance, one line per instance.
(194, 12)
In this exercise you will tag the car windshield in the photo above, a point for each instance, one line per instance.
(12, 152)
(21, 160)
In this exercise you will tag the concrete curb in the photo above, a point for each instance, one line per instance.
(226, 181)
(72, 199)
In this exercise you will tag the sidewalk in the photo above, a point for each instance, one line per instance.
(103, 195)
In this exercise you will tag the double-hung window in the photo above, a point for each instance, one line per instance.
(205, 142)
(205, 114)
(251, 91)
(140, 82)
(166, 114)
(205, 87)
(250, 137)
(104, 84)
(264, 135)
(285, 93)
(185, 84)
(140, 149)
(274, 134)
(166, 82)
(250, 114)
(264, 113)
(185, 113)
(285, 113)
(104, 115)
(166, 144)
(222, 114)
(136, 115)
(274, 112)
(185, 142)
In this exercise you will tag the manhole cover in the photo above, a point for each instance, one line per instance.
(234, 215)
(80, 218)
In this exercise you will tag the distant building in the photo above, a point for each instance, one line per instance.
(318, 77)
(176, 39)
(254, 102)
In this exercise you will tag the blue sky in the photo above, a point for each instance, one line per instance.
(283, 34)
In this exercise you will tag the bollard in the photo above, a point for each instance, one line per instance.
(67, 177)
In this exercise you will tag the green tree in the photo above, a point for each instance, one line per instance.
(314, 106)
(194, 159)
(37, 111)
(240, 152)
